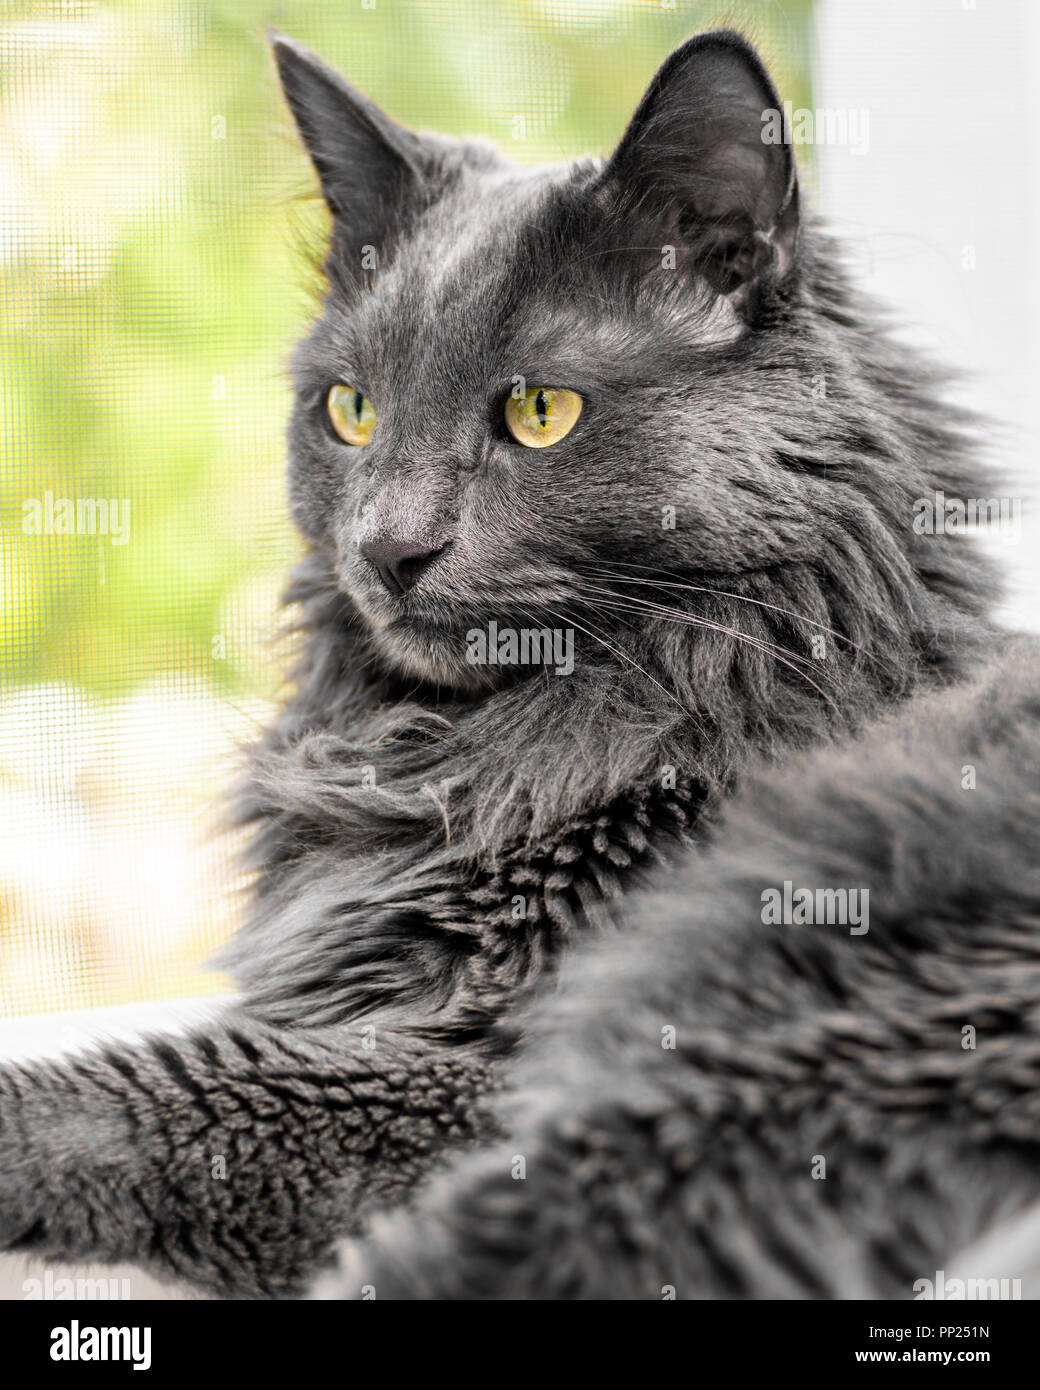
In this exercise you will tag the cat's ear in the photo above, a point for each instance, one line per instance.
(707, 156)
(370, 168)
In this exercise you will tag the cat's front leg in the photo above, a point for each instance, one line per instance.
(231, 1157)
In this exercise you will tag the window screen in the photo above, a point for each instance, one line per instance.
(156, 263)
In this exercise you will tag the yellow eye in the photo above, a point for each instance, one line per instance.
(543, 416)
(352, 414)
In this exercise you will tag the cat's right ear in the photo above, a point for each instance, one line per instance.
(370, 168)
(703, 160)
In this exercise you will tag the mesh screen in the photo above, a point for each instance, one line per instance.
(151, 282)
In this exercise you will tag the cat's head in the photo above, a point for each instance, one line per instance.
(550, 399)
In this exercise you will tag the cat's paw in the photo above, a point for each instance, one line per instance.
(568, 1215)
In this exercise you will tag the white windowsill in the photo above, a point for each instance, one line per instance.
(50, 1035)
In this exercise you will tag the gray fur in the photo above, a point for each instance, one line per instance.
(650, 1169)
(385, 973)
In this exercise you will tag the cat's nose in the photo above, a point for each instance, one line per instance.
(400, 563)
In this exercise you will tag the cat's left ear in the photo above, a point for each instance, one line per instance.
(702, 158)
(370, 168)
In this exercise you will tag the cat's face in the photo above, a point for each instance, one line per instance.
(647, 291)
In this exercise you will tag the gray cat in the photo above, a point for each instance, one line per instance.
(609, 479)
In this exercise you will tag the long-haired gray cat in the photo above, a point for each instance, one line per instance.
(647, 894)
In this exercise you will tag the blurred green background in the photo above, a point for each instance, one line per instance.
(154, 210)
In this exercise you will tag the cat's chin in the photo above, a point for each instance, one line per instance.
(436, 656)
